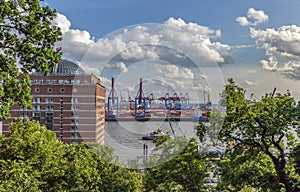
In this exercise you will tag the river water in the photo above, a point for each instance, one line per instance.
(126, 136)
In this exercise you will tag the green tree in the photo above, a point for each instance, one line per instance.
(184, 171)
(27, 39)
(242, 168)
(216, 119)
(31, 158)
(296, 158)
(88, 170)
(262, 126)
(209, 132)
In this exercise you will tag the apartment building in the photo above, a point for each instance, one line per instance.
(69, 102)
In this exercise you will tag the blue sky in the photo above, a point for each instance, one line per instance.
(256, 42)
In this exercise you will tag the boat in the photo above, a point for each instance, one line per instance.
(157, 133)
(152, 136)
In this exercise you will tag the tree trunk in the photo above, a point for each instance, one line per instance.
(280, 166)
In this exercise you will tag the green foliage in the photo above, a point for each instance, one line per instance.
(262, 126)
(161, 139)
(201, 130)
(31, 158)
(215, 120)
(210, 131)
(87, 171)
(183, 172)
(296, 158)
(241, 168)
(27, 42)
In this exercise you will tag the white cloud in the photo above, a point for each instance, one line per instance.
(176, 45)
(142, 42)
(119, 66)
(243, 46)
(282, 47)
(62, 22)
(253, 18)
(258, 16)
(243, 21)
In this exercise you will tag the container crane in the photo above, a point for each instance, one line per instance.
(112, 103)
(141, 112)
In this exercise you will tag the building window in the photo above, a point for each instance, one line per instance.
(62, 90)
(36, 116)
(36, 100)
(74, 107)
(74, 100)
(74, 128)
(74, 122)
(23, 115)
(74, 115)
(49, 90)
(49, 100)
(74, 135)
(49, 121)
(23, 108)
(37, 90)
(49, 108)
(37, 108)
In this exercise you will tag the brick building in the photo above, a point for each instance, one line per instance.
(68, 102)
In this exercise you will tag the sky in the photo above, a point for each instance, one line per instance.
(190, 46)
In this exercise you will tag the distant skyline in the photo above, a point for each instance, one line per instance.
(185, 46)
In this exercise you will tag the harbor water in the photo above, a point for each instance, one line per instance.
(126, 136)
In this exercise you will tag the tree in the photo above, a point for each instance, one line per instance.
(296, 158)
(27, 39)
(242, 168)
(210, 131)
(263, 126)
(31, 158)
(184, 171)
(91, 167)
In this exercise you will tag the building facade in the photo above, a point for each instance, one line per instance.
(68, 102)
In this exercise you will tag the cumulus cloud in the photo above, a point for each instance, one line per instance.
(74, 42)
(142, 42)
(172, 49)
(282, 47)
(62, 22)
(254, 17)
(119, 66)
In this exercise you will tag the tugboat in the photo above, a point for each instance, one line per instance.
(153, 135)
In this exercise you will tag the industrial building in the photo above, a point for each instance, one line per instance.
(69, 102)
